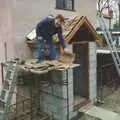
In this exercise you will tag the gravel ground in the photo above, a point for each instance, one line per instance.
(112, 102)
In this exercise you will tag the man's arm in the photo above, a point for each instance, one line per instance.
(60, 37)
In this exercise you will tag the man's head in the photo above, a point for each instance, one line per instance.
(59, 20)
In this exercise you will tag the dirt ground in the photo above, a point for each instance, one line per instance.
(112, 102)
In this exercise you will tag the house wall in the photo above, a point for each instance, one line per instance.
(20, 16)
(5, 30)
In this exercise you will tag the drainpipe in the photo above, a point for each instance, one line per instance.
(5, 50)
(2, 72)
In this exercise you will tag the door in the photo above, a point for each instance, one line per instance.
(81, 73)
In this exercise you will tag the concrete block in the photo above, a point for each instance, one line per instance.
(92, 71)
(56, 111)
(59, 90)
(47, 89)
(59, 75)
(60, 116)
(92, 49)
(92, 52)
(62, 76)
(93, 77)
(93, 85)
(65, 110)
(93, 94)
(56, 106)
(92, 45)
(52, 100)
(92, 57)
(62, 113)
(92, 64)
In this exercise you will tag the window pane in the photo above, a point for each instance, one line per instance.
(60, 4)
(65, 4)
(69, 4)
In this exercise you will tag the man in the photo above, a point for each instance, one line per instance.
(44, 31)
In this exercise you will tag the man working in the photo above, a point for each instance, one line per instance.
(44, 31)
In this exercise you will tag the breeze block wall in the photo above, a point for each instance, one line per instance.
(92, 71)
(57, 97)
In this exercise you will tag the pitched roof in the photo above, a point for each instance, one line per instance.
(76, 23)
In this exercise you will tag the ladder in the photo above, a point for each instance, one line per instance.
(7, 89)
(109, 40)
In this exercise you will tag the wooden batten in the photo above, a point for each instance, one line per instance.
(80, 42)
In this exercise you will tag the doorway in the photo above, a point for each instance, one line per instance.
(81, 74)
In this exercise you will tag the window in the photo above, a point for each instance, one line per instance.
(65, 4)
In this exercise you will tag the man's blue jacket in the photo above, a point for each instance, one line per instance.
(47, 29)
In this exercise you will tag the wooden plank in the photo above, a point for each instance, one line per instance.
(80, 42)
(46, 66)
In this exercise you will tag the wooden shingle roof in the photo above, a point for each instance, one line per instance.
(76, 23)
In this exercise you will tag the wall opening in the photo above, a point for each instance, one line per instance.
(80, 74)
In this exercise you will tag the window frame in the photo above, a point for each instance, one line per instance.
(64, 6)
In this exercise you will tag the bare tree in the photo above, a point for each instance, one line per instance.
(105, 4)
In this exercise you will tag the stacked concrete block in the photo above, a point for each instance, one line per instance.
(62, 76)
(53, 106)
(57, 99)
(92, 71)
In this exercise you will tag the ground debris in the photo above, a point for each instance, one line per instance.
(112, 102)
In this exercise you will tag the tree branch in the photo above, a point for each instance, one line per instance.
(104, 5)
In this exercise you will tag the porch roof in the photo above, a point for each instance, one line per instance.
(75, 24)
